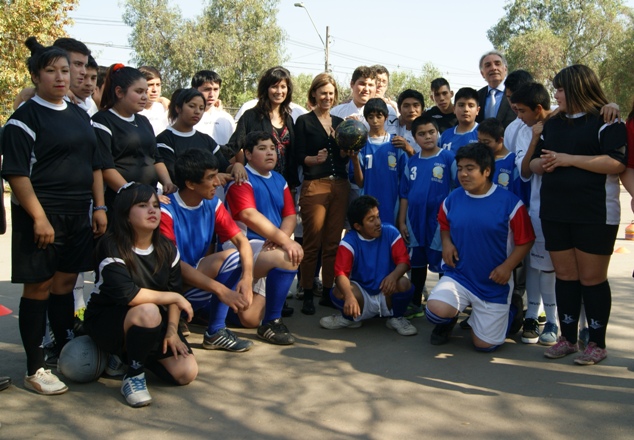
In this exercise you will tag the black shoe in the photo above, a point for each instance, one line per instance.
(326, 302)
(182, 326)
(51, 356)
(287, 311)
(308, 308)
(516, 325)
(276, 332)
(200, 319)
(464, 324)
(441, 333)
(5, 381)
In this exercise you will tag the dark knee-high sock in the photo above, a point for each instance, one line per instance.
(339, 303)
(598, 302)
(139, 342)
(400, 301)
(568, 295)
(61, 312)
(419, 276)
(278, 282)
(32, 323)
(229, 275)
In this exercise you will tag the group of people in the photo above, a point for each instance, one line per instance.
(485, 190)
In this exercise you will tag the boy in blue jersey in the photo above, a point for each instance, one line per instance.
(506, 175)
(370, 272)
(264, 209)
(429, 177)
(486, 232)
(466, 109)
(379, 165)
(213, 282)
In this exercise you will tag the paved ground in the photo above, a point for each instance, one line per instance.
(347, 384)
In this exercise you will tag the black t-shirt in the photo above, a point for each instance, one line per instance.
(571, 194)
(127, 145)
(444, 121)
(117, 284)
(55, 146)
(172, 144)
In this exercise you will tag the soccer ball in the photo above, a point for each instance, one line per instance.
(81, 360)
(351, 135)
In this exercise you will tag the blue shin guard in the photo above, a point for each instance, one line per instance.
(278, 283)
(229, 275)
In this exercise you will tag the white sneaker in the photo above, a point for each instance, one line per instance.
(115, 366)
(401, 325)
(334, 322)
(45, 382)
(134, 389)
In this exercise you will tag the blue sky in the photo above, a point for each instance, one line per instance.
(400, 34)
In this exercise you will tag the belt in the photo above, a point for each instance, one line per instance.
(331, 177)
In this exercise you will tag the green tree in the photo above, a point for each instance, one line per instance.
(230, 37)
(20, 19)
(420, 81)
(543, 36)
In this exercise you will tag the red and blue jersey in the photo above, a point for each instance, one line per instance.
(484, 229)
(507, 175)
(269, 195)
(450, 140)
(192, 228)
(368, 262)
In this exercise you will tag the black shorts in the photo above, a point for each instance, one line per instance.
(105, 327)
(70, 252)
(590, 238)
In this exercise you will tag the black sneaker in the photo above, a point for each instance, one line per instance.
(542, 318)
(441, 333)
(516, 324)
(276, 332)
(530, 335)
(464, 324)
(225, 339)
(287, 311)
(51, 356)
(326, 302)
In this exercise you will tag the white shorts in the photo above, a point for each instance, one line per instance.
(539, 257)
(488, 320)
(259, 285)
(373, 305)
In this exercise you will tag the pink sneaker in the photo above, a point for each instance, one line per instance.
(561, 348)
(593, 354)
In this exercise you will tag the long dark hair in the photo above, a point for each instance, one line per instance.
(180, 97)
(118, 75)
(42, 56)
(582, 89)
(269, 79)
(122, 233)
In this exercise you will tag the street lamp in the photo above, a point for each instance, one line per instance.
(326, 43)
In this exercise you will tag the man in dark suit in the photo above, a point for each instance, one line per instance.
(492, 102)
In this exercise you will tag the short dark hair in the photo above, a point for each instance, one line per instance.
(254, 137)
(363, 72)
(191, 166)
(480, 154)
(42, 56)
(359, 208)
(438, 83)
(410, 93)
(375, 105)
(150, 72)
(181, 97)
(422, 120)
(467, 93)
(205, 76)
(72, 45)
(531, 95)
(517, 79)
(92, 64)
(379, 70)
(493, 127)
(101, 75)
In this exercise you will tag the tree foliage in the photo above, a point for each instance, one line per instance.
(543, 36)
(239, 39)
(421, 82)
(20, 19)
